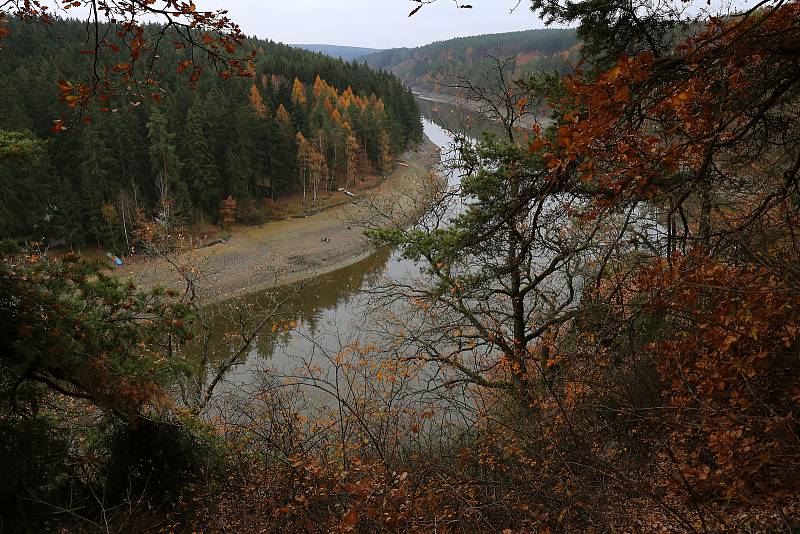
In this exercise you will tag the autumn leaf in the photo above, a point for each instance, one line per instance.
(58, 126)
(536, 145)
(65, 86)
(349, 520)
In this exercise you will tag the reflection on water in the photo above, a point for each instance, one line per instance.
(455, 118)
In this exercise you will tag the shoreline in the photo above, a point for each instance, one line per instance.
(279, 253)
(527, 121)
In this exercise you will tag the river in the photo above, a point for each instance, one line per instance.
(325, 313)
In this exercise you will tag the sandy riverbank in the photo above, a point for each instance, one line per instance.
(282, 252)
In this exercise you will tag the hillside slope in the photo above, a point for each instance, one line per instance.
(531, 51)
(304, 121)
(347, 53)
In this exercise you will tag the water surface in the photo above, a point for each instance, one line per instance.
(325, 313)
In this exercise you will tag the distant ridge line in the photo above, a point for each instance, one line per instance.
(347, 53)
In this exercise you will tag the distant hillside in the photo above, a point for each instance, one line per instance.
(532, 51)
(347, 53)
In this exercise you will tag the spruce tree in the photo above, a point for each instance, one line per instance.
(200, 172)
(282, 153)
(96, 160)
(173, 196)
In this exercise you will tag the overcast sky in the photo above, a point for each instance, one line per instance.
(374, 23)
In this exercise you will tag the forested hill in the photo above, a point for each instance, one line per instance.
(305, 122)
(531, 51)
(347, 53)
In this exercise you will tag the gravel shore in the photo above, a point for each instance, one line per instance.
(282, 252)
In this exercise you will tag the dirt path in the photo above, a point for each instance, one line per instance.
(281, 252)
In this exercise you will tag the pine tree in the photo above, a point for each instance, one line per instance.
(127, 138)
(14, 116)
(242, 158)
(299, 108)
(262, 129)
(25, 184)
(200, 172)
(282, 152)
(173, 195)
(96, 160)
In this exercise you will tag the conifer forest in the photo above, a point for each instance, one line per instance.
(510, 267)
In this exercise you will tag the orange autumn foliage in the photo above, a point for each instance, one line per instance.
(731, 374)
(257, 103)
